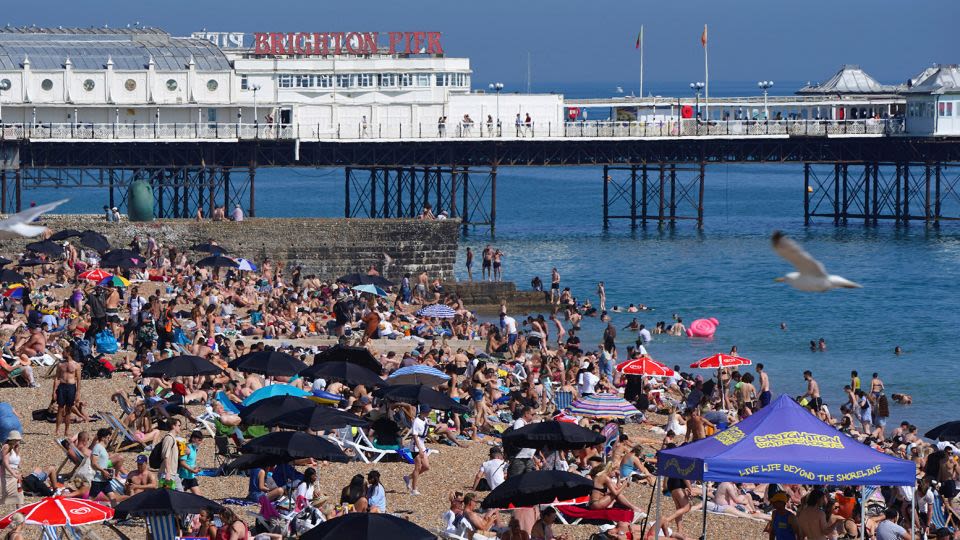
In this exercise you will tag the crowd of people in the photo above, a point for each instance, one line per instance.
(506, 374)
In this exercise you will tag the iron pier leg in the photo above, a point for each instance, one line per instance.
(454, 180)
(673, 194)
(465, 214)
(643, 195)
(111, 185)
(199, 185)
(876, 204)
(346, 189)
(181, 177)
(866, 194)
(663, 183)
(606, 200)
(703, 179)
(400, 193)
(3, 191)
(18, 179)
(936, 200)
(386, 193)
(226, 190)
(493, 199)
(253, 174)
(836, 193)
(633, 196)
(210, 177)
(372, 186)
(161, 211)
(926, 202)
(906, 193)
(438, 207)
(846, 203)
(897, 210)
(413, 192)
(806, 193)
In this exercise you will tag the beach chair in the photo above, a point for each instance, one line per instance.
(611, 433)
(14, 376)
(562, 399)
(224, 451)
(228, 405)
(943, 515)
(66, 532)
(67, 447)
(122, 439)
(163, 527)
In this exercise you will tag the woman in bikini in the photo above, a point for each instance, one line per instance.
(606, 490)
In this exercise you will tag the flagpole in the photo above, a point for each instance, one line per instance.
(706, 76)
(641, 61)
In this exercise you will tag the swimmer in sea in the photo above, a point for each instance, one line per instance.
(897, 350)
(822, 345)
(813, 346)
(634, 325)
(783, 326)
(903, 399)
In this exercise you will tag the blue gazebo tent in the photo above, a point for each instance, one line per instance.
(784, 443)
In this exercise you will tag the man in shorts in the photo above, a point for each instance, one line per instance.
(66, 390)
(555, 286)
(486, 271)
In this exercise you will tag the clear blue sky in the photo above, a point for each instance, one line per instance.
(585, 40)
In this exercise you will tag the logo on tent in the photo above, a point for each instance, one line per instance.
(797, 438)
(730, 436)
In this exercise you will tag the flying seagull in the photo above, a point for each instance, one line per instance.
(810, 276)
(19, 224)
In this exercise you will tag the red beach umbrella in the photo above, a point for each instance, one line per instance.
(720, 360)
(97, 274)
(60, 511)
(645, 366)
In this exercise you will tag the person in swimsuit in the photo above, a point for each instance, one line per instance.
(876, 386)
(487, 262)
(543, 527)
(469, 264)
(606, 490)
(555, 286)
(497, 262)
(66, 390)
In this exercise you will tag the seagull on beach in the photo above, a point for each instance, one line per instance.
(810, 276)
(387, 261)
(19, 224)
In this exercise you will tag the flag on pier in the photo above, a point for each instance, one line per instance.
(703, 37)
(639, 38)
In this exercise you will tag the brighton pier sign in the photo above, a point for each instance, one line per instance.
(337, 43)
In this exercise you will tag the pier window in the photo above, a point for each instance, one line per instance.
(442, 79)
(366, 80)
(423, 79)
(244, 83)
(324, 81)
(946, 108)
(171, 84)
(47, 85)
(388, 80)
(88, 85)
(406, 79)
(285, 81)
(130, 85)
(304, 81)
(212, 85)
(343, 81)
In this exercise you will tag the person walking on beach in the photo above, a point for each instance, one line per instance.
(602, 293)
(813, 393)
(486, 271)
(419, 450)
(66, 390)
(765, 394)
(469, 264)
(555, 286)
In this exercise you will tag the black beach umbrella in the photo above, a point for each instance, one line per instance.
(554, 435)
(124, 264)
(154, 502)
(94, 240)
(209, 248)
(4, 261)
(253, 461)
(218, 261)
(295, 445)
(538, 487)
(64, 234)
(945, 432)
(418, 394)
(363, 279)
(269, 363)
(340, 370)
(9, 276)
(182, 366)
(355, 355)
(292, 412)
(368, 526)
(117, 255)
(23, 263)
(46, 247)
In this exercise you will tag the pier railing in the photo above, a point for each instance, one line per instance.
(400, 131)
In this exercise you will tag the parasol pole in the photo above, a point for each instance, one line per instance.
(913, 510)
(706, 487)
(656, 491)
(863, 513)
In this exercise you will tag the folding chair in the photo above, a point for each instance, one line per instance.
(65, 445)
(12, 375)
(67, 532)
(122, 439)
(562, 399)
(163, 527)
(224, 451)
(942, 515)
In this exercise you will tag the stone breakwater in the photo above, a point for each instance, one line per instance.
(326, 247)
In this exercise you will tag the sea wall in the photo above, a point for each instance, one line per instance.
(487, 295)
(326, 247)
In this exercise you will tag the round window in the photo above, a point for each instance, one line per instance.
(88, 85)
(212, 85)
(5, 84)
(47, 84)
(130, 85)
(171, 85)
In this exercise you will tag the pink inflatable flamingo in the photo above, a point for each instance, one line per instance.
(704, 328)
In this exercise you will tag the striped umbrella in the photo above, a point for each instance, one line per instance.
(60, 511)
(425, 375)
(720, 360)
(645, 366)
(439, 311)
(14, 291)
(115, 281)
(603, 406)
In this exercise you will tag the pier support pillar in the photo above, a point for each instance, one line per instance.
(606, 196)
(643, 195)
(633, 196)
(806, 193)
(3, 191)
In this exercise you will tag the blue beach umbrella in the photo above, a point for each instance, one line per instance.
(425, 375)
(274, 390)
(246, 265)
(439, 311)
(372, 289)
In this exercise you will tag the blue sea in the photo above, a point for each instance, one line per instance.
(553, 217)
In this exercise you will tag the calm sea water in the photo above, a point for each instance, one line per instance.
(552, 217)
